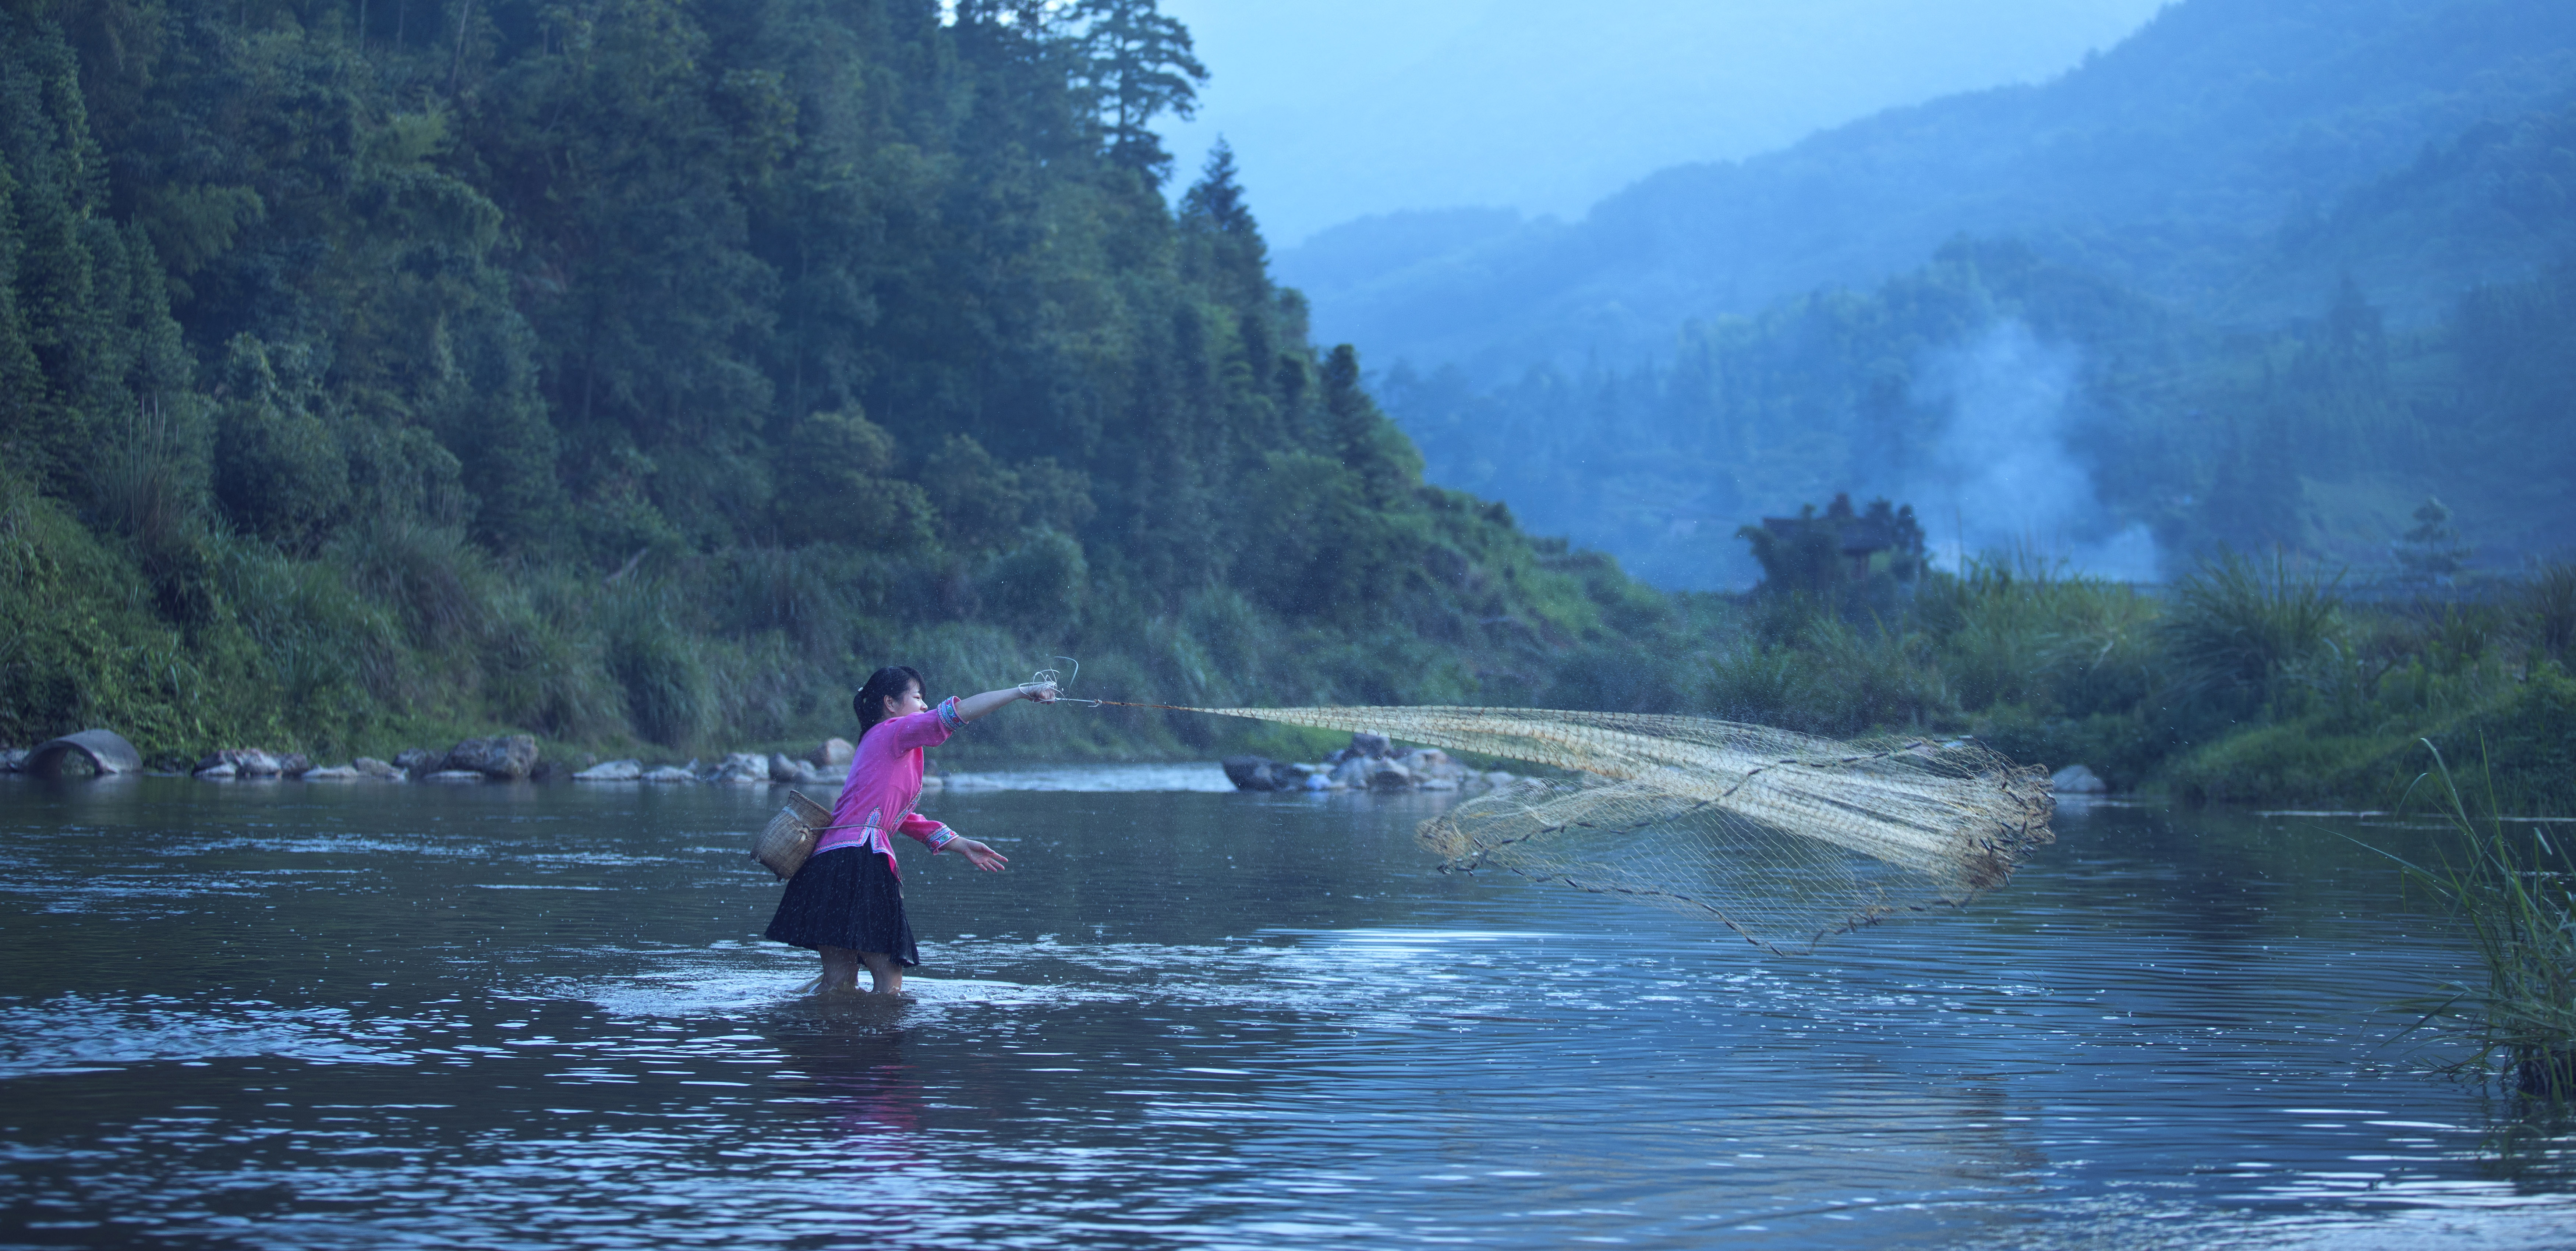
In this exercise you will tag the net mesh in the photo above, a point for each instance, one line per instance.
(1786, 838)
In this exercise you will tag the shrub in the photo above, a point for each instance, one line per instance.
(278, 471)
(656, 666)
(544, 666)
(2293, 762)
(428, 575)
(2528, 740)
(2234, 624)
(149, 481)
(2548, 610)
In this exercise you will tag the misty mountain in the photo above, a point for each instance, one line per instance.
(2176, 163)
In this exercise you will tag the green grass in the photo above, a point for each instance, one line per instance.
(2513, 888)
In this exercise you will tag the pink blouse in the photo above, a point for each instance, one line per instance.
(885, 777)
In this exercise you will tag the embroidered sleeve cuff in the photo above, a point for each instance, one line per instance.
(940, 838)
(948, 715)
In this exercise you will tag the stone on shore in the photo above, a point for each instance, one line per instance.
(376, 770)
(1260, 773)
(1432, 764)
(740, 767)
(458, 775)
(415, 761)
(506, 757)
(1364, 746)
(11, 759)
(612, 771)
(331, 773)
(2075, 779)
(1387, 775)
(669, 773)
(784, 768)
(835, 753)
(219, 771)
(239, 762)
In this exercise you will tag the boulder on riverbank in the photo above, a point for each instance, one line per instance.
(612, 771)
(2075, 779)
(1364, 746)
(835, 754)
(240, 762)
(415, 761)
(783, 768)
(331, 773)
(740, 768)
(503, 758)
(376, 770)
(1260, 773)
(669, 773)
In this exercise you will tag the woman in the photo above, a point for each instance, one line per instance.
(847, 900)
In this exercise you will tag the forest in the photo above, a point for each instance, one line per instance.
(645, 372)
(639, 374)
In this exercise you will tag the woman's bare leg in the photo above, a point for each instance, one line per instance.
(885, 969)
(840, 971)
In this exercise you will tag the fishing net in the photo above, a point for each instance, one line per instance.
(1786, 838)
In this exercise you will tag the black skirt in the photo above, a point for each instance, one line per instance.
(846, 897)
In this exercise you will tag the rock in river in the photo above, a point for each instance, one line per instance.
(1260, 773)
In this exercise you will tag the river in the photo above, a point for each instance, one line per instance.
(332, 1015)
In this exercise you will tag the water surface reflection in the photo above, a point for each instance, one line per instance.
(292, 1015)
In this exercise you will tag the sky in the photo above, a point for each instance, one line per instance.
(1339, 109)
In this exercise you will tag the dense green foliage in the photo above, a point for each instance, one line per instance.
(2247, 680)
(651, 369)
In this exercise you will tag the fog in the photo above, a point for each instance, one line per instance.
(1338, 109)
(2003, 476)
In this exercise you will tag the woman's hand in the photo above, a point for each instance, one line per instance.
(979, 855)
(1042, 692)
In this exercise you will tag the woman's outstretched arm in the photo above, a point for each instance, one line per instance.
(974, 706)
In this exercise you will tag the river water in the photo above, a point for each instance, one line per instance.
(333, 1015)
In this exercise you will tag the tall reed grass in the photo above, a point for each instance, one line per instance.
(2514, 890)
(2236, 624)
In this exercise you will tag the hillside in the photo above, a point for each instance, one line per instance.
(2167, 163)
(644, 373)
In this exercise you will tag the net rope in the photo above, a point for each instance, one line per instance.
(1787, 839)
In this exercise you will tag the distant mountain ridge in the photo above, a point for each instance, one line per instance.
(2172, 163)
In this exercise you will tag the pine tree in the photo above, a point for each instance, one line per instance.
(2433, 550)
(1141, 67)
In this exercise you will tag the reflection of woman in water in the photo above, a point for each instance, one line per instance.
(847, 900)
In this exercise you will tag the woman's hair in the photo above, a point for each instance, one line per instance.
(884, 684)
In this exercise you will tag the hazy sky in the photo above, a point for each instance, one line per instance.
(1340, 108)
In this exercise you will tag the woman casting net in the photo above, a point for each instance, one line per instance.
(846, 900)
